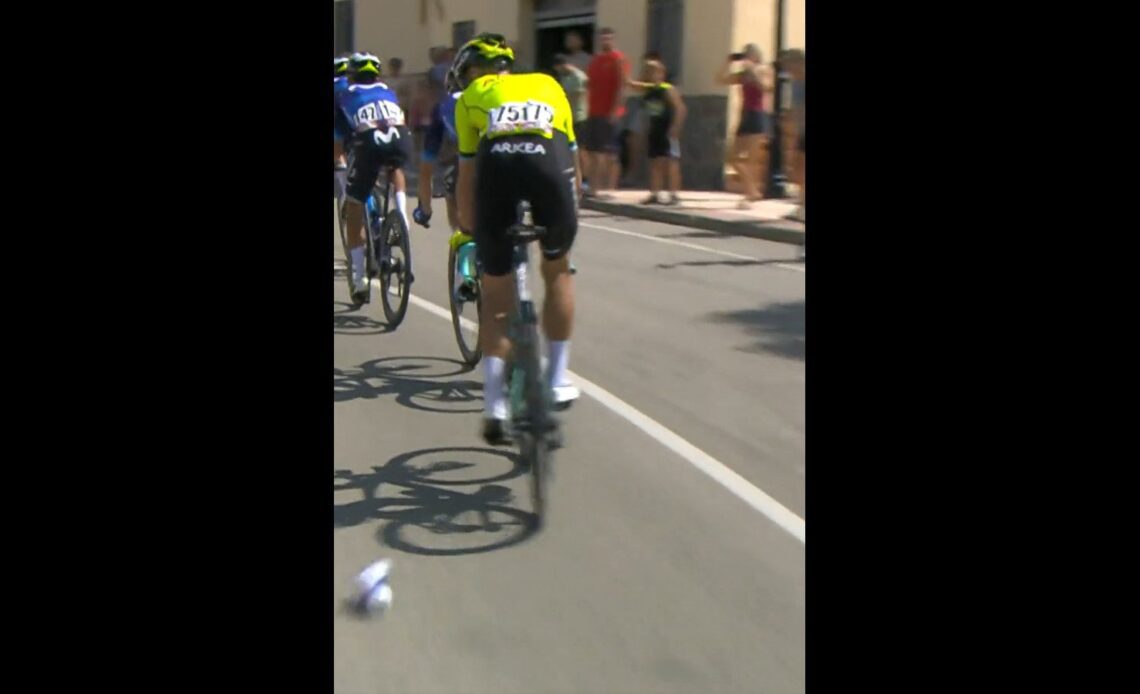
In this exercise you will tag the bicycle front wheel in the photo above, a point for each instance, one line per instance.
(465, 337)
(395, 256)
(534, 449)
(538, 425)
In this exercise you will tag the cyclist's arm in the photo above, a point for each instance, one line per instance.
(342, 128)
(467, 141)
(433, 139)
(725, 74)
(562, 106)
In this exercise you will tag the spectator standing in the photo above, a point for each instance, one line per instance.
(796, 64)
(577, 57)
(631, 137)
(440, 57)
(399, 84)
(395, 67)
(666, 114)
(573, 81)
(605, 91)
(756, 82)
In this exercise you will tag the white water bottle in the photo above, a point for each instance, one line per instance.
(374, 586)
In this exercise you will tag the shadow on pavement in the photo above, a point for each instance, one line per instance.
(703, 234)
(410, 379)
(421, 501)
(347, 322)
(735, 262)
(779, 327)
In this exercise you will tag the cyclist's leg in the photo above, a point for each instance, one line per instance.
(464, 287)
(496, 199)
(449, 196)
(398, 155)
(551, 187)
(364, 163)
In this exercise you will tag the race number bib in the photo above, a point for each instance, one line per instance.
(380, 111)
(518, 116)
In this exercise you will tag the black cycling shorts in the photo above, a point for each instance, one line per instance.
(523, 167)
(368, 153)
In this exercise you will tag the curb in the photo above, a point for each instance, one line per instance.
(778, 231)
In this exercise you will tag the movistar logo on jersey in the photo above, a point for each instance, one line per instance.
(519, 148)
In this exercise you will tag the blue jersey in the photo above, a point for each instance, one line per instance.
(341, 129)
(369, 106)
(442, 126)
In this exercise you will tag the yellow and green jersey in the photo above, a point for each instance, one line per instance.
(496, 106)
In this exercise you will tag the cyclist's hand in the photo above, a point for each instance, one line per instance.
(422, 216)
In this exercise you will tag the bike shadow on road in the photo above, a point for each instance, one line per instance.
(347, 322)
(779, 327)
(422, 501)
(421, 383)
(735, 262)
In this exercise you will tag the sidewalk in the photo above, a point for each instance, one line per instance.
(710, 210)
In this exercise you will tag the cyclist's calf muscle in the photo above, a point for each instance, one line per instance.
(465, 194)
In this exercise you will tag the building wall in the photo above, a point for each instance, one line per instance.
(627, 18)
(373, 32)
(393, 28)
(712, 29)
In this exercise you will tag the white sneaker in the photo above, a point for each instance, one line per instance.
(565, 394)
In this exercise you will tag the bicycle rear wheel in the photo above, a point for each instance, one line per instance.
(467, 339)
(395, 260)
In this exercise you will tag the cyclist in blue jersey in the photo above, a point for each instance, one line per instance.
(379, 139)
(340, 132)
(440, 149)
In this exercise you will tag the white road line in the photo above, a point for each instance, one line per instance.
(718, 471)
(685, 244)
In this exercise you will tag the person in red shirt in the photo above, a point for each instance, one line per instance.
(607, 73)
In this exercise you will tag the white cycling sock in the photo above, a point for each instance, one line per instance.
(559, 351)
(357, 255)
(494, 401)
(402, 206)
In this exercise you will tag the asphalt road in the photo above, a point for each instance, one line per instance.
(649, 574)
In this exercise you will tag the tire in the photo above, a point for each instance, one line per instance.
(533, 448)
(395, 256)
(533, 444)
(471, 354)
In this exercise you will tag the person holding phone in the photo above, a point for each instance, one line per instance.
(756, 82)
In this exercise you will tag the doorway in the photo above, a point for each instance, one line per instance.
(551, 34)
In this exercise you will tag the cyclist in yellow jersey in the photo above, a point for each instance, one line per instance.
(516, 142)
